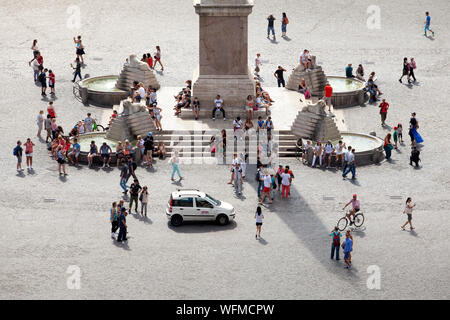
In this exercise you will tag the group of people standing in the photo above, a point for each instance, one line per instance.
(271, 28)
(40, 73)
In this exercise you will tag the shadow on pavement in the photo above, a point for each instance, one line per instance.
(201, 227)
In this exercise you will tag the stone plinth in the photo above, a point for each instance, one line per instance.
(223, 57)
(315, 78)
(136, 70)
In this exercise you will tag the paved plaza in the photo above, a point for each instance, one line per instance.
(51, 223)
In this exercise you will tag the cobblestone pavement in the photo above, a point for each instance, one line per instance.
(51, 223)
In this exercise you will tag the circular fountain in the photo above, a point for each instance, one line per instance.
(368, 148)
(347, 92)
(101, 91)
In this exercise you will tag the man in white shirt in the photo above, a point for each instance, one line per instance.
(351, 163)
(340, 149)
(267, 188)
(140, 93)
(328, 152)
(218, 106)
(344, 167)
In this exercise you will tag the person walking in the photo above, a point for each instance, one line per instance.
(17, 152)
(174, 161)
(114, 219)
(144, 200)
(259, 221)
(124, 176)
(270, 27)
(406, 68)
(237, 173)
(285, 183)
(77, 69)
(79, 48)
(335, 242)
(413, 134)
(427, 24)
(348, 248)
(384, 106)
(414, 157)
(412, 67)
(388, 146)
(284, 23)
(408, 211)
(279, 74)
(351, 164)
(122, 225)
(29, 153)
(158, 58)
(134, 195)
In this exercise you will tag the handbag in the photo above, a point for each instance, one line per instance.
(390, 146)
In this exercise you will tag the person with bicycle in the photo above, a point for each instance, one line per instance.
(355, 208)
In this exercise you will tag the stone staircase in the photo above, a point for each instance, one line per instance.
(315, 79)
(196, 144)
(315, 126)
(128, 127)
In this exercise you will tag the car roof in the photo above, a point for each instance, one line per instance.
(188, 192)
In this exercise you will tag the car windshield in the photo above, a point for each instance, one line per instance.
(212, 200)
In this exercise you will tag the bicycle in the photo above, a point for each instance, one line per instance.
(358, 221)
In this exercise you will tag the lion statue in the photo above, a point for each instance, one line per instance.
(131, 108)
(318, 107)
(134, 62)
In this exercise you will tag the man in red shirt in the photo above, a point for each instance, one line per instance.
(328, 93)
(384, 106)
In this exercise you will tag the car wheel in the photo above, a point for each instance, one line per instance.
(176, 220)
(222, 219)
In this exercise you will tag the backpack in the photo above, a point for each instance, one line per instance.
(307, 94)
(286, 20)
(258, 176)
(15, 151)
(336, 239)
(41, 77)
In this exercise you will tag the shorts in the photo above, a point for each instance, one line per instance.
(328, 101)
(51, 85)
(266, 189)
(409, 216)
(247, 108)
(76, 154)
(92, 154)
(61, 161)
(259, 223)
(44, 84)
(346, 255)
(80, 51)
(29, 154)
(356, 210)
(39, 125)
(427, 27)
(158, 117)
(105, 156)
(19, 159)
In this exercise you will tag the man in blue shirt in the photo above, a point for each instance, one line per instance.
(348, 248)
(17, 151)
(75, 152)
(105, 152)
(349, 71)
(427, 24)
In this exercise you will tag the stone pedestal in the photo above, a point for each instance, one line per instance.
(223, 67)
(315, 79)
(136, 70)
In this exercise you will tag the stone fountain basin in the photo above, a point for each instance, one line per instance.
(346, 92)
(369, 149)
(99, 137)
(101, 91)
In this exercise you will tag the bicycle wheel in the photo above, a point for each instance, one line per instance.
(359, 220)
(99, 126)
(342, 223)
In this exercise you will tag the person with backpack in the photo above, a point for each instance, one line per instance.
(348, 248)
(259, 221)
(284, 23)
(17, 152)
(335, 242)
(134, 195)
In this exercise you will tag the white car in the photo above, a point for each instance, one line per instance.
(194, 205)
